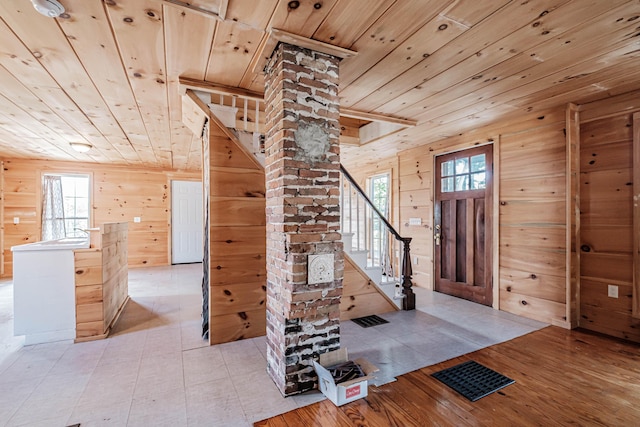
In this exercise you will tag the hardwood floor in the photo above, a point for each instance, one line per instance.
(562, 378)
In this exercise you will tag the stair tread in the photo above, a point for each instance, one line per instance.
(394, 283)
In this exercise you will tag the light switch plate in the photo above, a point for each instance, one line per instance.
(16, 220)
(415, 221)
(612, 291)
(319, 268)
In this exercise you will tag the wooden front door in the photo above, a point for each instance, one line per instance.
(462, 226)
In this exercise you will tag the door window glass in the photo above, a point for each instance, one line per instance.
(463, 174)
(478, 181)
(447, 185)
(462, 165)
(447, 168)
(462, 182)
(478, 163)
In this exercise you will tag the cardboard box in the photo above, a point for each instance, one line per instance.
(347, 391)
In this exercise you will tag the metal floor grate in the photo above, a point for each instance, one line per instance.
(369, 321)
(472, 380)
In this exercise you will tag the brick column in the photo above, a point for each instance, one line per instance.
(304, 249)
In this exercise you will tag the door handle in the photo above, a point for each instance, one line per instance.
(436, 236)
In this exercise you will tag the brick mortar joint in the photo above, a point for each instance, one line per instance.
(316, 309)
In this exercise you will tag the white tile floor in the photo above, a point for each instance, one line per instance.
(154, 370)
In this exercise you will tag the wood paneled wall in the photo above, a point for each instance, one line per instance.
(237, 239)
(606, 221)
(102, 283)
(118, 194)
(89, 293)
(235, 184)
(360, 297)
(416, 201)
(115, 271)
(565, 185)
(530, 166)
(533, 204)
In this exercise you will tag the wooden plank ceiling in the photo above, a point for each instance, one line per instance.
(106, 72)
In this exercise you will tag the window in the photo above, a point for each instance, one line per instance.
(379, 193)
(464, 174)
(65, 207)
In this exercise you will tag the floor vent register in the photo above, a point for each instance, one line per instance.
(369, 321)
(472, 380)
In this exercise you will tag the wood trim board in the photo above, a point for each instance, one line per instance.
(636, 216)
(276, 36)
(573, 215)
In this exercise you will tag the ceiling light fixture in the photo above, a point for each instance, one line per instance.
(81, 147)
(50, 8)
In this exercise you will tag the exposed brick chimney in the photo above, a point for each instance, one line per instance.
(304, 249)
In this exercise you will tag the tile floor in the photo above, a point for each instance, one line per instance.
(154, 370)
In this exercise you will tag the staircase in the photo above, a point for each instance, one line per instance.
(374, 244)
(377, 280)
(389, 285)
(369, 239)
(371, 242)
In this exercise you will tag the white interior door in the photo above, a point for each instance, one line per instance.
(186, 222)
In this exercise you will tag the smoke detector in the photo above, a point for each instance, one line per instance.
(50, 8)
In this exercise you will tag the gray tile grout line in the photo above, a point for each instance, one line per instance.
(155, 296)
(36, 348)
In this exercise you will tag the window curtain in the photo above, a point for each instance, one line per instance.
(52, 208)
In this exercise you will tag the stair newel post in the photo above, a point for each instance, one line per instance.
(409, 300)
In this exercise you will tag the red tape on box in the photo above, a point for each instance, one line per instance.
(353, 391)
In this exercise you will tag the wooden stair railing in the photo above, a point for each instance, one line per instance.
(368, 221)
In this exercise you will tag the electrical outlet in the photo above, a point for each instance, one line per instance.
(136, 219)
(612, 291)
(16, 220)
(415, 221)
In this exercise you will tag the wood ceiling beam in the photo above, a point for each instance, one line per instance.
(204, 86)
(375, 117)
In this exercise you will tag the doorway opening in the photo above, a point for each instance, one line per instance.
(187, 226)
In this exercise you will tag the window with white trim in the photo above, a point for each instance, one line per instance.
(65, 205)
